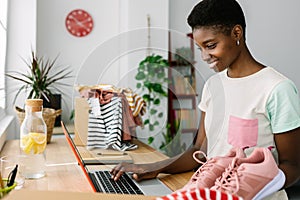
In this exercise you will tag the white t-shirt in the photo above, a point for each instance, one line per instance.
(247, 111)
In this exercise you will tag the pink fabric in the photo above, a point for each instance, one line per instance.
(129, 125)
(242, 132)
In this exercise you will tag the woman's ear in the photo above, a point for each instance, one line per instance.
(237, 33)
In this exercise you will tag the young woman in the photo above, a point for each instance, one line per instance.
(245, 105)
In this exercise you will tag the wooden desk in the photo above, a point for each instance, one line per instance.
(64, 174)
(62, 170)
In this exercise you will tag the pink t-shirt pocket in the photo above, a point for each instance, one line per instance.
(242, 132)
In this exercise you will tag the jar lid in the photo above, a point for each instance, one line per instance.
(37, 103)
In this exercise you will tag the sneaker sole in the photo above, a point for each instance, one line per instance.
(272, 186)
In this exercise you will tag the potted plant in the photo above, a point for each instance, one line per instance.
(41, 81)
(151, 78)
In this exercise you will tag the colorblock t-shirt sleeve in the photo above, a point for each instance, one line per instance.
(204, 98)
(283, 107)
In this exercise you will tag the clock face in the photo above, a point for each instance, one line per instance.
(79, 23)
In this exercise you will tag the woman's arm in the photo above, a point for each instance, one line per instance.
(185, 161)
(289, 155)
(180, 163)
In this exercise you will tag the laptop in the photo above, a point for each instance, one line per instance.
(100, 180)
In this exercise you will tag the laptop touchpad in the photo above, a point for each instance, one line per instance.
(154, 187)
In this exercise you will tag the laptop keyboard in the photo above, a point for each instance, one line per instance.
(125, 185)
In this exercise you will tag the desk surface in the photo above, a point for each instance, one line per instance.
(64, 174)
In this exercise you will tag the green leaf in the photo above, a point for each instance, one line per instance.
(138, 85)
(160, 115)
(41, 78)
(156, 102)
(150, 140)
(72, 115)
(161, 75)
(142, 66)
(153, 111)
(157, 87)
(146, 97)
(147, 121)
(151, 127)
(140, 76)
(148, 85)
(164, 63)
(162, 146)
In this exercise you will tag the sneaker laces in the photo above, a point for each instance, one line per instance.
(229, 181)
(204, 167)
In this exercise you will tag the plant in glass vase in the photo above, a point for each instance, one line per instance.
(40, 81)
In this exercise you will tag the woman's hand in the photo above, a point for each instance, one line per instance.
(139, 171)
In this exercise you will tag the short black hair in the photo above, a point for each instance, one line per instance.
(222, 15)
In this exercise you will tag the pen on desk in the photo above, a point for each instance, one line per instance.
(12, 176)
(112, 154)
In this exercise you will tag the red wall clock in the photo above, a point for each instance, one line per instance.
(79, 23)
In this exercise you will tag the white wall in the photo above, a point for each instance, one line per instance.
(94, 58)
(53, 38)
(272, 35)
(272, 32)
(21, 39)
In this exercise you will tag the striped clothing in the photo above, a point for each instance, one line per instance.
(199, 194)
(136, 103)
(105, 125)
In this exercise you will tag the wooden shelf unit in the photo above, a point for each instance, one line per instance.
(182, 90)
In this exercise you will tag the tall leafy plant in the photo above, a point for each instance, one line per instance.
(41, 79)
(151, 77)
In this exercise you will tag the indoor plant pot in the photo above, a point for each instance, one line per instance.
(41, 82)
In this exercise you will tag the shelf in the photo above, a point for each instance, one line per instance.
(184, 101)
(182, 88)
(185, 96)
(190, 130)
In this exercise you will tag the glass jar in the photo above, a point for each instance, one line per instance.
(33, 139)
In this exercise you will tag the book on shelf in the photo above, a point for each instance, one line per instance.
(183, 84)
(186, 118)
(182, 79)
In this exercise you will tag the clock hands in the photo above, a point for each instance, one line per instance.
(80, 23)
(88, 19)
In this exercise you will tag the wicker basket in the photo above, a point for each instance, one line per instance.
(49, 116)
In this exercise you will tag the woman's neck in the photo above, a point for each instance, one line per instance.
(244, 66)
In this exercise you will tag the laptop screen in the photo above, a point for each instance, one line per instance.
(77, 154)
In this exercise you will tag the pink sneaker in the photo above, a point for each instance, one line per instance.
(253, 178)
(210, 170)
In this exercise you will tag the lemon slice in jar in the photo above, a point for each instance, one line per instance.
(35, 142)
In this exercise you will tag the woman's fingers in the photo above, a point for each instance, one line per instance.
(118, 170)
